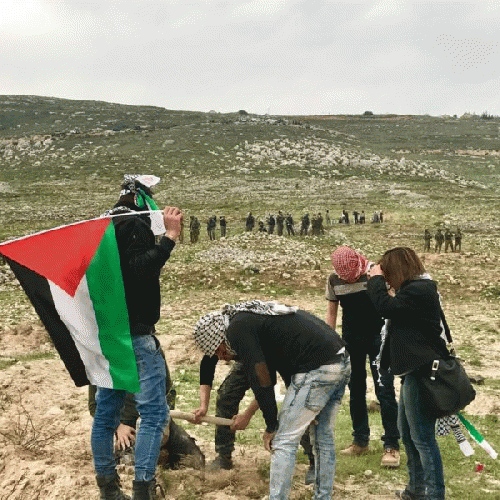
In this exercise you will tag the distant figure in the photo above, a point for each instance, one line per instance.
(355, 214)
(289, 225)
(328, 221)
(304, 225)
(439, 237)
(315, 225)
(375, 218)
(211, 224)
(362, 217)
(381, 217)
(223, 225)
(427, 240)
(448, 240)
(194, 229)
(280, 219)
(321, 229)
(262, 228)
(271, 222)
(458, 240)
(250, 222)
(345, 213)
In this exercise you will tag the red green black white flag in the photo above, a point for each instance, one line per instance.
(72, 276)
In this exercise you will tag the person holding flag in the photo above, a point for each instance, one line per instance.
(95, 285)
(141, 261)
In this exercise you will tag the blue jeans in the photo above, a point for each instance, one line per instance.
(384, 390)
(418, 432)
(315, 395)
(152, 407)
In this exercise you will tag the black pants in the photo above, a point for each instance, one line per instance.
(229, 395)
(384, 391)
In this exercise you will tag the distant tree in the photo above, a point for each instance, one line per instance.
(368, 113)
(242, 112)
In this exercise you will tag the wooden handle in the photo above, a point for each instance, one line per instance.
(208, 419)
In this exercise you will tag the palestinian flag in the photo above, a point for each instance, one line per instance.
(72, 276)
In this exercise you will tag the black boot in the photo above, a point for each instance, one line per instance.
(144, 490)
(109, 487)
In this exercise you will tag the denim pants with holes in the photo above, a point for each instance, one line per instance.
(312, 396)
(152, 407)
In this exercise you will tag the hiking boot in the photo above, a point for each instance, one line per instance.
(310, 474)
(109, 487)
(220, 463)
(390, 458)
(355, 449)
(406, 495)
(145, 490)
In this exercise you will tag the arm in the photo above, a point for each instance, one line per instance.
(207, 373)
(241, 421)
(243, 337)
(204, 402)
(331, 313)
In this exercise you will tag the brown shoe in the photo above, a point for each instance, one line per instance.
(355, 449)
(390, 458)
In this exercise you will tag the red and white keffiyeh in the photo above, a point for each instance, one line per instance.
(348, 264)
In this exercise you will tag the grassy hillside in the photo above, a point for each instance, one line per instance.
(62, 161)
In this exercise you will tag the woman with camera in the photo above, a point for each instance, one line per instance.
(413, 341)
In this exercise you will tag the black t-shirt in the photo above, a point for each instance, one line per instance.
(360, 319)
(285, 344)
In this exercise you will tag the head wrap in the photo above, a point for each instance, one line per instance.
(140, 186)
(348, 264)
(210, 330)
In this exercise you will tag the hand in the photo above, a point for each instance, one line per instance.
(240, 422)
(173, 220)
(197, 414)
(125, 436)
(267, 437)
(375, 270)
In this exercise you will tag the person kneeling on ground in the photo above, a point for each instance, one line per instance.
(310, 357)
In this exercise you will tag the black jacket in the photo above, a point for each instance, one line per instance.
(414, 332)
(141, 261)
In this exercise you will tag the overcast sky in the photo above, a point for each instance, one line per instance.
(264, 56)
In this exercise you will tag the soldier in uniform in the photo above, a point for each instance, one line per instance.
(280, 219)
(427, 240)
(448, 240)
(304, 225)
(194, 229)
(211, 224)
(458, 240)
(222, 224)
(321, 229)
(250, 222)
(289, 225)
(439, 237)
(271, 222)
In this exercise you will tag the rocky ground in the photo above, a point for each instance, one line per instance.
(45, 424)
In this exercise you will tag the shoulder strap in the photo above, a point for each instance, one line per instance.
(446, 327)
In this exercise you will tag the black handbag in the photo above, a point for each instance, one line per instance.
(446, 388)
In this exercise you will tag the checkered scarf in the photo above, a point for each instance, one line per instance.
(210, 330)
(348, 264)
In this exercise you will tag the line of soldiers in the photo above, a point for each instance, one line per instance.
(194, 227)
(453, 241)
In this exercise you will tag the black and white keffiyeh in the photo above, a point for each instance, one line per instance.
(210, 330)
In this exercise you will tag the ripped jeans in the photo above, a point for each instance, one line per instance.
(312, 396)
